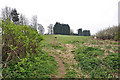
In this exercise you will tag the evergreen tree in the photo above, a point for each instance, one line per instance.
(14, 15)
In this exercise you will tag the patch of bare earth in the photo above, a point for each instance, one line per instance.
(0, 74)
(106, 53)
(61, 67)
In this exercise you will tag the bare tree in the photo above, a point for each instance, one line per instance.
(6, 13)
(50, 29)
(23, 20)
(71, 31)
(40, 29)
(34, 22)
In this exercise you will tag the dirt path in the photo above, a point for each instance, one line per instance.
(65, 59)
(68, 57)
(61, 67)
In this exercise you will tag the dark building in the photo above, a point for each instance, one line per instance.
(80, 32)
(62, 29)
(86, 32)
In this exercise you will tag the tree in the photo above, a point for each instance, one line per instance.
(50, 29)
(34, 22)
(23, 20)
(71, 32)
(6, 13)
(14, 15)
(40, 29)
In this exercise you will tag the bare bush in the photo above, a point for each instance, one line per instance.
(109, 33)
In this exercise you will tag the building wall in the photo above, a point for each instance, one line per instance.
(62, 29)
(80, 32)
(86, 32)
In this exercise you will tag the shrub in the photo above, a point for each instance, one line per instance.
(109, 33)
(23, 55)
(37, 66)
(18, 40)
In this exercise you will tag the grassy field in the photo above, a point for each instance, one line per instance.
(83, 57)
(66, 56)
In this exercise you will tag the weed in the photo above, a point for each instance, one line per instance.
(71, 73)
(38, 66)
(108, 47)
(88, 61)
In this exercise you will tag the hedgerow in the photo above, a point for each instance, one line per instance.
(22, 53)
(19, 40)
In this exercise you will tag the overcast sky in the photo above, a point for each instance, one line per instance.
(92, 15)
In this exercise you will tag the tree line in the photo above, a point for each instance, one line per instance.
(21, 19)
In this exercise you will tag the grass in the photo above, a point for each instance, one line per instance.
(71, 73)
(40, 65)
(71, 39)
(90, 59)
(37, 66)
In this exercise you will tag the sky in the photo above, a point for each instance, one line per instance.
(93, 15)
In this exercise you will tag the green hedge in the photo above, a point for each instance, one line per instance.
(22, 52)
(18, 40)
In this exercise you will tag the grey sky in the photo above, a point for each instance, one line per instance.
(119, 12)
(93, 15)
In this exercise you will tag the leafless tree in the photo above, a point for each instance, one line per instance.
(6, 13)
(40, 29)
(34, 22)
(50, 29)
(71, 31)
(23, 20)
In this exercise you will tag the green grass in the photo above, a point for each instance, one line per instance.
(71, 39)
(65, 39)
(71, 73)
(91, 60)
(37, 66)
(94, 66)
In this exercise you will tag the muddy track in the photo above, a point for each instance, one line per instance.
(62, 70)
